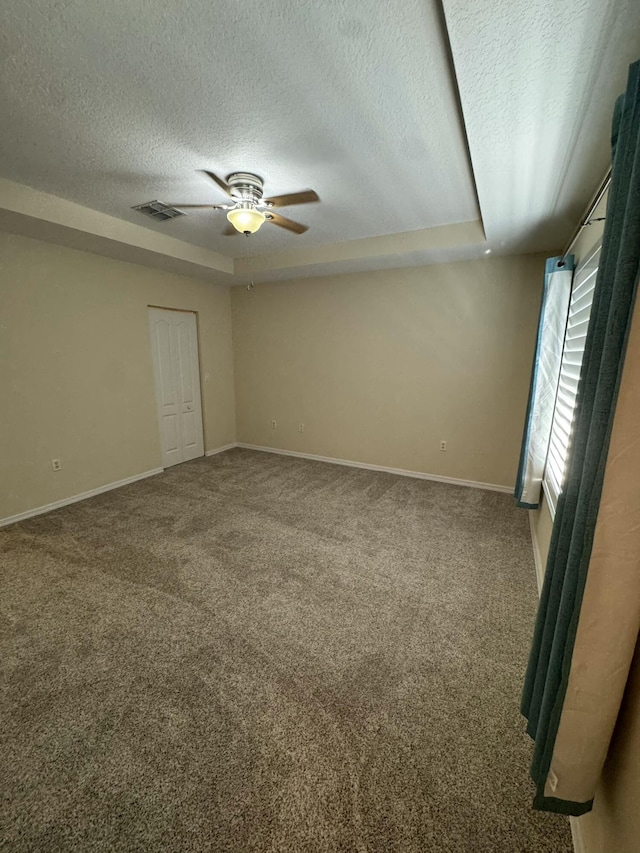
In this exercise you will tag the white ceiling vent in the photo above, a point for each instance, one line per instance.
(158, 210)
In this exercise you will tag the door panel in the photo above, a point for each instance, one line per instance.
(163, 344)
(171, 441)
(189, 430)
(184, 356)
(189, 386)
(174, 343)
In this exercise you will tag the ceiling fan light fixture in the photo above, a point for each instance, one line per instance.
(246, 219)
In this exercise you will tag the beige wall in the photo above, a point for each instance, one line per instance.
(76, 379)
(614, 824)
(381, 366)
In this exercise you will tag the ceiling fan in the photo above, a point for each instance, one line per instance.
(248, 209)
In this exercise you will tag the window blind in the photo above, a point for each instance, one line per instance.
(584, 282)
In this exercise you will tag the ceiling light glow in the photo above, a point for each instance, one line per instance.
(246, 219)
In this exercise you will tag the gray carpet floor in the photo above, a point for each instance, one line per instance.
(260, 653)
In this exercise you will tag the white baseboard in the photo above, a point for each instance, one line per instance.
(21, 516)
(220, 449)
(367, 467)
(537, 556)
(577, 836)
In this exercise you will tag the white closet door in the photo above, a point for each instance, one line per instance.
(186, 335)
(174, 346)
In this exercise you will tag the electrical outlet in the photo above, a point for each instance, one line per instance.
(443, 445)
(300, 427)
(274, 424)
(56, 464)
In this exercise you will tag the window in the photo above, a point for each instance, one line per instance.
(584, 281)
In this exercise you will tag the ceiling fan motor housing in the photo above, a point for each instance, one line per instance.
(244, 186)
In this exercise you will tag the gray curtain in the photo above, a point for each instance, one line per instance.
(558, 769)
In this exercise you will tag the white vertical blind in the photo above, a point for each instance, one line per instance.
(584, 282)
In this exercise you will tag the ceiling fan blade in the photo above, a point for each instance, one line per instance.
(222, 184)
(289, 224)
(197, 206)
(303, 197)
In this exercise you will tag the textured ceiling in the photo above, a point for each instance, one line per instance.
(113, 104)
(375, 104)
(538, 80)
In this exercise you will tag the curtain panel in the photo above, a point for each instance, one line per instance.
(589, 614)
(556, 293)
